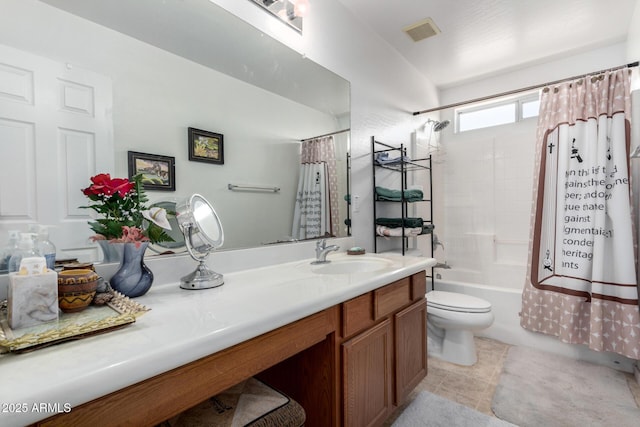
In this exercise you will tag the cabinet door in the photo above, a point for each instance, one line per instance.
(410, 348)
(367, 369)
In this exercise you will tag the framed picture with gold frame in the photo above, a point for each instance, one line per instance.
(205, 146)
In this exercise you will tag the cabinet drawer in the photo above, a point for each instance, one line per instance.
(357, 314)
(391, 298)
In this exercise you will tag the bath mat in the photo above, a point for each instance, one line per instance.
(541, 389)
(428, 409)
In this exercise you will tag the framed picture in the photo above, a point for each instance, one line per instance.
(158, 172)
(205, 146)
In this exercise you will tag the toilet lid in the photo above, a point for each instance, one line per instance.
(457, 302)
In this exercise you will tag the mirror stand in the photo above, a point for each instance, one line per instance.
(203, 233)
(203, 277)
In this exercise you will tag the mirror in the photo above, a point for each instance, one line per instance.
(176, 244)
(203, 234)
(177, 64)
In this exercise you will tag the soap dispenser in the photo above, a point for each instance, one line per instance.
(9, 250)
(25, 250)
(45, 247)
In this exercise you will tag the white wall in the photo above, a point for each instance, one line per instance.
(484, 178)
(539, 73)
(633, 37)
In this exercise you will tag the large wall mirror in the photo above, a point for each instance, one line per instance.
(155, 69)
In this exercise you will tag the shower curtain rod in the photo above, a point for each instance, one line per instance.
(524, 89)
(326, 134)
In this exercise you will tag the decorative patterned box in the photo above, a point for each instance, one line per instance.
(33, 299)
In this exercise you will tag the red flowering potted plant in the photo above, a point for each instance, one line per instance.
(125, 218)
(121, 203)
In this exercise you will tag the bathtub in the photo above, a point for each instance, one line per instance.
(506, 303)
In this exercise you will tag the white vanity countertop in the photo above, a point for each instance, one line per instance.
(182, 326)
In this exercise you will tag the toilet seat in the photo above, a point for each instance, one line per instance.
(461, 303)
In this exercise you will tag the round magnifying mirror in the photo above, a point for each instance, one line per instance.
(203, 234)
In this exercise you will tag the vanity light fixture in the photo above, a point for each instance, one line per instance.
(300, 8)
(290, 12)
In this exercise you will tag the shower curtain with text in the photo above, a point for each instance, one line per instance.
(316, 208)
(581, 281)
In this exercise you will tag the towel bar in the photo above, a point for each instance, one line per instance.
(234, 187)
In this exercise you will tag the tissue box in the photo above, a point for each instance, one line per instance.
(32, 299)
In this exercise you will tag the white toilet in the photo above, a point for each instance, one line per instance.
(452, 318)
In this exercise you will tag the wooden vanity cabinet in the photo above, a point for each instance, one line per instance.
(349, 365)
(383, 350)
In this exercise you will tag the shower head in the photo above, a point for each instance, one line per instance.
(437, 125)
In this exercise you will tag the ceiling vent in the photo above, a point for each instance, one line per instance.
(422, 30)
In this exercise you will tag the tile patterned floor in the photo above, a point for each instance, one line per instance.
(474, 386)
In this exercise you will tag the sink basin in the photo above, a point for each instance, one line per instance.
(351, 266)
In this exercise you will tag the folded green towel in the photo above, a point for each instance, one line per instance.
(397, 222)
(428, 228)
(412, 195)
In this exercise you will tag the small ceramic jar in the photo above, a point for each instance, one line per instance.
(76, 289)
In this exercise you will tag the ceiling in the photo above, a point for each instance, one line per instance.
(480, 38)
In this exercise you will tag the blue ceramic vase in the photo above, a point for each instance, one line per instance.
(133, 278)
(111, 252)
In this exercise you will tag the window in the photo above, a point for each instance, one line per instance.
(487, 116)
(530, 108)
(497, 113)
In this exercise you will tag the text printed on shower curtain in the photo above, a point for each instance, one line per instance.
(586, 240)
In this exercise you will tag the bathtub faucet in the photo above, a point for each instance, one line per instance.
(322, 250)
(442, 265)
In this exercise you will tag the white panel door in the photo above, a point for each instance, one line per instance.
(55, 133)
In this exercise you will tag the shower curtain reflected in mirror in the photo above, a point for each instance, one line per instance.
(316, 208)
(581, 283)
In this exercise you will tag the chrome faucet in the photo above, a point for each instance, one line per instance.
(442, 265)
(322, 250)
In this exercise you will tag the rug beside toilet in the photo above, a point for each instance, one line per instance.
(543, 389)
(428, 409)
